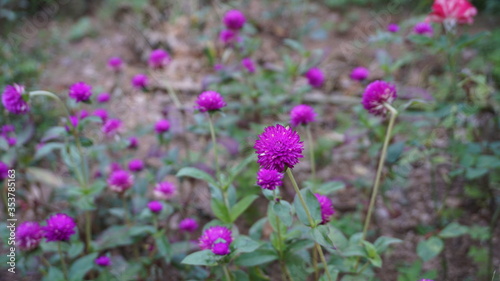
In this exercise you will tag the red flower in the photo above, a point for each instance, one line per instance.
(460, 11)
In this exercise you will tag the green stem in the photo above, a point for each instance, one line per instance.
(315, 262)
(63, 262)
(125, 209)
(214, 141)
(311, 154)
(173, 95)
(226, 273)
(88, 229)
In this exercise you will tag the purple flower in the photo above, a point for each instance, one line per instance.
(423, 28)
(59, 227)
(269, 179)
(133, 143)
(12, 99)
(376, 95)
(115, 63)
(159, 58)
(234, 19)
(210, 101)
(7, 129)
(162, 126)
(101, 113)
(103, 97)
(136, 165)
(214, 236)
(83, 114)
(155, 207)
(188, 224)
(218, 67)
(140, 81)
(11, 141)
(111, 126)
(73, 121)
(393, 28)
(426, 280)
(80, 92)
(114, 166)
(120, 181)
(302, 115)
(103, 261)
(28, 235)
(164, 190)
(4, 170)
(248, 64)
(229, 36)
(278, 147)
(315, 77)
(326, 205)
(360, 73)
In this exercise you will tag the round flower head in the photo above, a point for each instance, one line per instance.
(11, 141)
(136, 165)
(164, 190)
(140, 81)
(4, 170)
(74, 121)
(158, 58)
(315, 77)
(12, 99)
(83, 114)
(111, 126)
(426, 280)
(103, 261)
(302, 115)
(101, 113)
(234, 19)
(115, 63)
(278, 147)
(59, 227)
(28, 235)
(229, 36)
(155, 207)
(210, 101)
(120, 181)
(376, 94)
(103, 97)
(360, 73)
(216, 235)
(269, 179)
(162, 126)
(452, 11)
(393, 28)
(7, 129)
(80, 92)
(133, 143)
(326, 205)
(189, 225)
(114, 166)
(423, 28)
(248, 64)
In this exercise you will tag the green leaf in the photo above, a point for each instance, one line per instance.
(113, 237)
(257, 257)
(284, 211)
(383, 242)
(220, 210)
(371, 254)
(473, 173)
(141, 230)
(54, 274)
(334, 273)
(330, 187)
(313, 206)
(46, 149)
(81, 266)
(245, 244)
(241, 206)
(234, 172)
(429, 249)
(205, 257)
(321, 234)
(163, 246)
(75, 249)
(453, 230)
(197, 174)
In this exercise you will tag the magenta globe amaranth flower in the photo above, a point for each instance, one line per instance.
(28, 235)
(115, 63)
(4, 170)
(302, 115)
(59, 227)
(360, 73)
(164, 190)
(215, 235)
(80, 92)
(234, 19)
(155, 207)
(393, 28)
(376, 95)
(162, 126)
(159, 58)
(120, 181)
(103, 97)
(133, 143)
(423, 28)
(103, 261)
(111, 126)
(327, 209)
(229, 36)
(210, 101)
(136, 165)
(269, 179)
(13, 101)
(315, 77)
(248, 64)
(140, 81)
(101, 113)
(188, 224)
(278, 147)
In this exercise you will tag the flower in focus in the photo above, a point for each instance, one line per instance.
(376, 95)
(136, 165)
(111, 126)
(302, 115)
(326, 205)
(159, 58)
(140, 81)
(360, 73)
(133, 143)
(103, 261)
(269, 179)
(278, 147)
(28, 235)
(115, 63)
(248, 64)
(59, 227)
(4, 170)
(155, 207)
(164, 190)
(120, 181)
(210, 101)
(188, 224)
(393, 28)
(229, 36)
(103, 97)
(451, 12)
(101, 113)
(423, 28)
(12, 99)
(234, 19)
(162, 126)
(315, 77)
(213, 237)
(80, 92)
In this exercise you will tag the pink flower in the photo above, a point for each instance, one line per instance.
(213, 237)
(115, 63)
(162, 126)
(423, 28)
(234, 19)
(229, 36)
(136, 165)
(393, 28)
(103, 261)
(326, 205)
(59, 227)
(210, 101)
(302, 115)
(164, 190)
(360, 73)
(315, 77)
(453, 11)
(269, 179)
(120, 181)
(12, 99)
(101, 113)
(140, 81)
(158, 58)
(188, 224)
(133, 143)
(103, 97)
(376, 95)
(155, 207)
(248, 64)
(28, 235)
(80, 92)
(111, 126)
